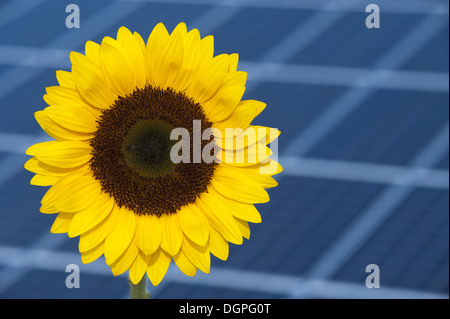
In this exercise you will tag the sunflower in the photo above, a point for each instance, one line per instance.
(113, 181)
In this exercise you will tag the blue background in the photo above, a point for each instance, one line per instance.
(375, 100)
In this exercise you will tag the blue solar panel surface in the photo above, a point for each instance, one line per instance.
(310, 216)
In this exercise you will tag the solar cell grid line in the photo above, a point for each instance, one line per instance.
(299, 39)
(18, 143)
(224, 278)
(261, 71)
(350, 100)
(338, 290)
(365, 172)
(15, 9)
(230, 278)
(397, 6)
(11, 273)
(37, 57)
(13, 164)
(110, 13)
(344, 76)
(389, 6)
(215, 18)
(375, 214)
(10, 166)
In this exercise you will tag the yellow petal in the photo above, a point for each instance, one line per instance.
(138, 267)
(133, 50)
(140, 41)
(184, 264)
(247, 212)
(65, 154)
(180, 29)
(257, 175)
(171, 236)
(208, 79)
(266, 135)
(78, 195)
(191, 61)
(243, 227)
(235, 79)
(148, 233)
(157, 39)
(91, 86)
(234, 60)
(237, 138)
(91, 216)
(155, 44)
(225, 180)
(157, 267)
(270, 168)
(206, 50)
(46, 209)
(98, 233)
(61, 223)
(57, 131)
(53, 194)
(194, 224)
(77, 58)
(33, 149)
(196, 254)
(65, 79)
(36, 166)
(60, 95)
(249, 156)
(167, 65)
(242, 116)
(92, 51)
(218, 212)
(121, 236)
(67, 97)
(43, 180)
(116, 70)
(77, 119)
(124, 262)
(218, 246)
(223, 103)
(93, 254)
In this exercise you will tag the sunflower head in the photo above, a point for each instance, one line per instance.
(114, 181)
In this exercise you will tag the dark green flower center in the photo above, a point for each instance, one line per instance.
(147, 146)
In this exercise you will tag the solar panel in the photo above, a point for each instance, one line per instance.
(371, 119)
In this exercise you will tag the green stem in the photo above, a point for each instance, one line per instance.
(139, 291)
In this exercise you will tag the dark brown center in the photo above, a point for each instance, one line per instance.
(131, 152)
